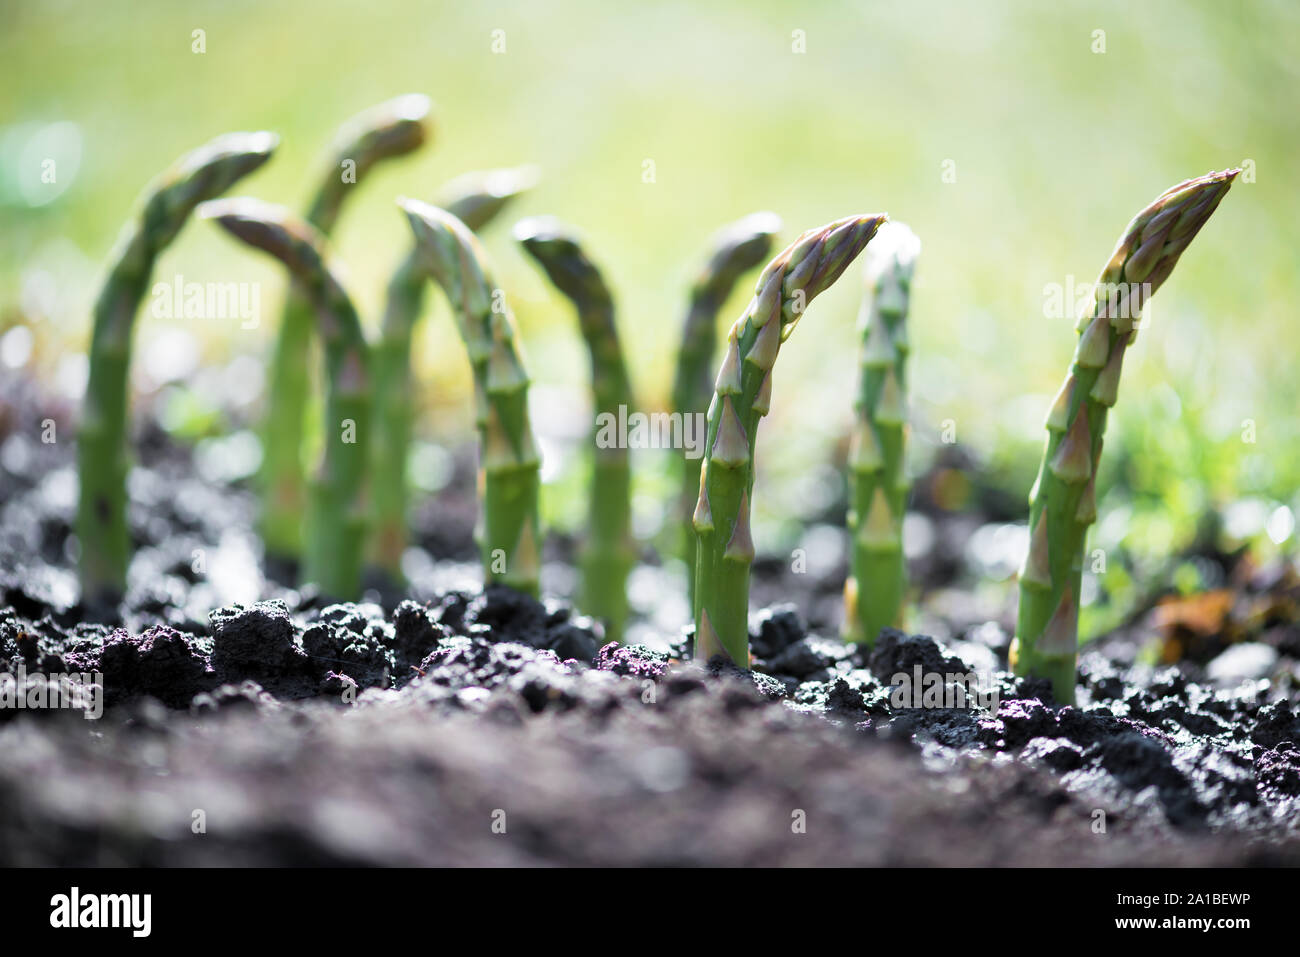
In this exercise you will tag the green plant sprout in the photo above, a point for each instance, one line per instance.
(103, 458)
(609, 551)
(1063, 501)
(737, 248)
(390, 129)
(475, 199)
(743, 395)
(509, 530)
(336, 506)
(873, 592)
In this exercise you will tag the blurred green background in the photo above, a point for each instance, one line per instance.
(1054, 146)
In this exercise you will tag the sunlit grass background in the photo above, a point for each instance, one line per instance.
(1053, 144)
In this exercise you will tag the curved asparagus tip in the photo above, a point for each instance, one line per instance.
(873, 593)
(477, 198)
(455, 259)
(742, 395)
(609, 552)
(1063, 502)
(557, 249)
(273, 229)
(196, 177)
(1157, 236)
(203, 174)
(103, 458)
(335, 524)
(735, 250)
(390, 129)
(510, 531)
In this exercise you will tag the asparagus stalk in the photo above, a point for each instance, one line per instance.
(391, 129)
(103, 459)
(336, 512)
(1063, 502)
(609, 553)
(737, 249)
(743, 394)
(873, 593)
(475, 199)
(509, 531)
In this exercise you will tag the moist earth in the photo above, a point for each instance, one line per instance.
(457, 725)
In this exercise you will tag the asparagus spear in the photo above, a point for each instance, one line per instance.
(743, 394)
(737, 248)
(1063, 502)
(336, 510)
(390, 129)
(509, 534)
(102, 456)
(475, 199)
(873, 593)
(609, 552)
(478, 197)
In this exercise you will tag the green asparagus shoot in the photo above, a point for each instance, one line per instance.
(336, 506)
(737, 248)
(743, 395)
(475, 199)
(609, 552)
(103, 458)
(479, 197)
(390, 129)
(873, 593)
(509, 529)
(1063, 501)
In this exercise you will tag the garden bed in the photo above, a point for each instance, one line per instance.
(484, 727)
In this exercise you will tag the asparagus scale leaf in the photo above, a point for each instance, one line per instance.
(390, 129)
(475, 199)
(737, 248)
(509, 481)
(1063, 502)
(103, 459)
(609, 552)
(873, 593)
(336, 512)
(743, 395)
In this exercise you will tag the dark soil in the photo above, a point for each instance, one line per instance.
(483, 727)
